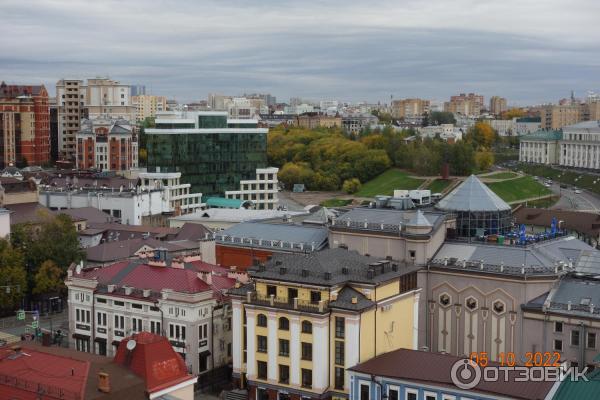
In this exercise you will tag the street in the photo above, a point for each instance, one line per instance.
(11, 329)
(569, 200)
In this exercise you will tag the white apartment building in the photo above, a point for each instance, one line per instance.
(262, 191)
(146, 106)
(540, 147)
(445, 132)
(177, 194)
(580, 145)
(182, 299)
(107, 97)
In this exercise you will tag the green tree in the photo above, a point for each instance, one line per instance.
(12, 275)
(48, 279)
(351, 186)
(484, 159)
(441, 117)
(292, 173)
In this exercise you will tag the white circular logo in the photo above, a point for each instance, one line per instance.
(465, 374)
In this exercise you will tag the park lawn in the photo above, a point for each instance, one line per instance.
(519, 189)
(336, 202)
(438, 185)
(385, 184)
(501, 175)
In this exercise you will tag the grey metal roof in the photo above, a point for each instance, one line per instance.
(418, 219)
(363, 218)
(541, 257)
(288, 237)
(573, 296)
(472, 195)
(330, 267)
(344, 300)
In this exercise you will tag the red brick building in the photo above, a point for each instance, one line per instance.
(106, 145)
(24, 125)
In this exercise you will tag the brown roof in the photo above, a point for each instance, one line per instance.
(124, 249)
(13, 185)
(435, 369)
(191, 231)
(10, 91)
(135, 228)
(27, 212)
(89, 214)
(582, 222)
(125, 384)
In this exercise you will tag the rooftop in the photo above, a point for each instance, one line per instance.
(548, 257)
(124, 249)
(234, 215)
(472, 195)
(546, 135)
(572, 296)
(265, 235)
(431, 368)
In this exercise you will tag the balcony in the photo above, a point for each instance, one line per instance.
(289, 304)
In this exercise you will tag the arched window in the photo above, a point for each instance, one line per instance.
(284, 324)
(306, 327)
(261, 320)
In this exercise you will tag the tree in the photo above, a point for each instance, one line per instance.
(143, 156)
(512, 113)
(482, 134)
(48, 279)
(292, 173)
(484, 159)
(351, 186)
(441, 117)
(12, 275)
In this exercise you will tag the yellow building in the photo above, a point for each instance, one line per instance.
(306, 319)
(146, 106)
(315, 120)
(407, 108)
(555, 117)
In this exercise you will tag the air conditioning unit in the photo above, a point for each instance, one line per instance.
(387, 307)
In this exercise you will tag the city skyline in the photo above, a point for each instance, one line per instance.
(347, 51)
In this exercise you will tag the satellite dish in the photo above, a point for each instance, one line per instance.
(131, 344)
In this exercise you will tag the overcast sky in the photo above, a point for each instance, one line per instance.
(528, 51)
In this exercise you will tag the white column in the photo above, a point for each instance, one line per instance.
(251, 345)
(415, 338)
(237, 335)
(351, 346)
(320, 355)
(272, 346)
(295, 350)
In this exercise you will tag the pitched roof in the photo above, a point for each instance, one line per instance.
(543, 135)
(154, 360)
(582, 294)
(193, 232)
(431, 368)
(345, 299)
(285, 237)
(570, 389)
(121, 250)
(330, 267)
(472, 195)
(418, 219)
(89, 214)
(27, 213)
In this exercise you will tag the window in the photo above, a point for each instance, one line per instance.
(591, 340)
(203, 331)
(284, 324)
(261, 320)
(306, 327)
(100, 300)
(137, 306)
(119, 322)
(339, 352)
(261, 368)
(339, 327)
(284, 374)
(315, 296)
(558, 326)
(430, 396)
(393, 394)
(82, 316)
(155, 327)
(177, 332)
(307, 351)
(365, 391)
(271, 290)
(411, 394)
(136, 324)
(306, 378)
(412, 253)
(339, 378)
(101, 319)
(574, 338)
(119, 303)
(261, 344)
(558, 345)
(284, 347)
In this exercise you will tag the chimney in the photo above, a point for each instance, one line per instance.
(354, 300)
(111, 288)
(146, 293)
(103, 382)
(206, 277)
(128, 290)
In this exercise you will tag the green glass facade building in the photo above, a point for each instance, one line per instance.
(212, 154)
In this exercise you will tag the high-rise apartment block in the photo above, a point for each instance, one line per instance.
(557, 116)
(146, 106)
(409, 108)
(497, 105)
(466, 104)
(212, 153)
(24, 125)
(100, 97)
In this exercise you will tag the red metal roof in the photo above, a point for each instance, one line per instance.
(153, 359)
(60, 377)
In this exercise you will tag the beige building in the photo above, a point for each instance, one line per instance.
(100, 97)
(497, 105)
(541, 147)
(407, 108)
(466, 104)
(314, 120)
(146, 106)
(557, 116)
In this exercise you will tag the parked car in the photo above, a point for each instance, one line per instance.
(577, 191)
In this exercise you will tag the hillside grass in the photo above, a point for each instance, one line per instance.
(387, 182)
(519, 189)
